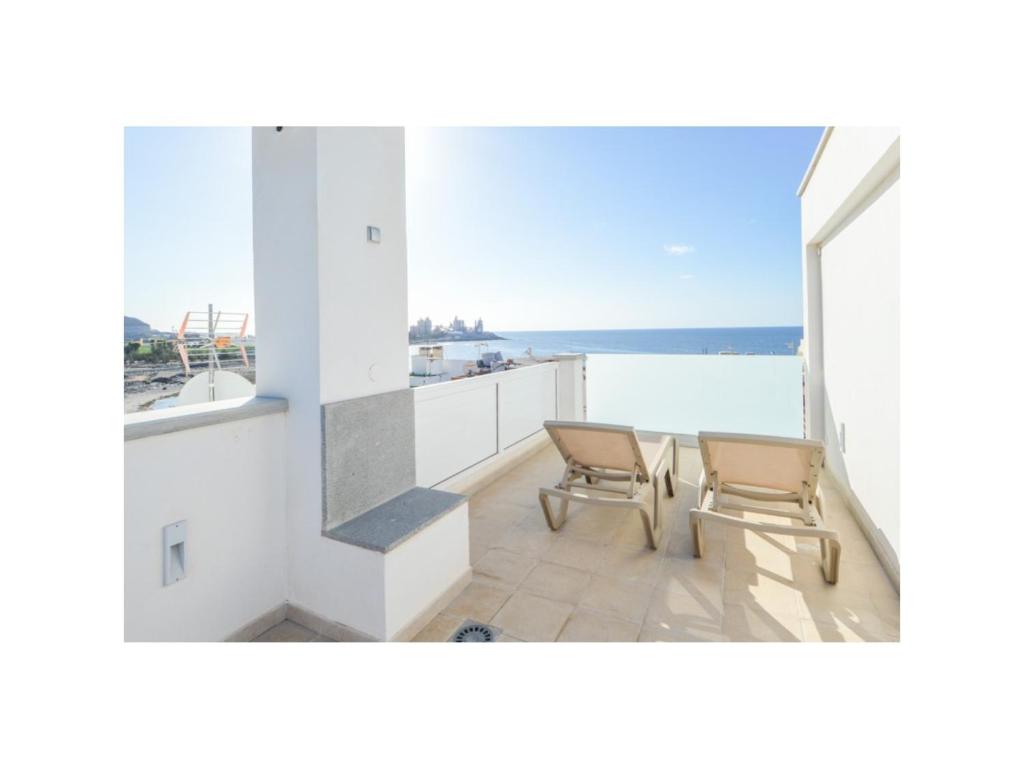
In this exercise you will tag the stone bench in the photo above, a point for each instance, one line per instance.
(408, 557)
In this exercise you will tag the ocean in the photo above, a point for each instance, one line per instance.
(665, 341)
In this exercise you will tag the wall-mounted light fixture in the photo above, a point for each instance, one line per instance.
(373, 234)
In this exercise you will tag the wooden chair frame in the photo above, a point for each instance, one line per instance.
(570, 489)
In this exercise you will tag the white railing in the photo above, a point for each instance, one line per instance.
(462, 423)
(684, 394)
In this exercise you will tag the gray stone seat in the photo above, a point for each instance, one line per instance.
(389, 524)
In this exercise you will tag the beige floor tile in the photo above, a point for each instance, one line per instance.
(760, 553)
(855, 613)
(869, 578)
(682, 613)
(286, 632)
(888, 607)
(857, 550)
(808, 574)
(486, 532)
(679, 544)
(497, 509)
(439, 630)
(504, 567)
(556, 581)
(477, 549)
(626, 600)
(534, 521)
(527, 542)
(743, 623)
(588, 627)
(692, 575)
(532, 618)
(631, 565)
(479, 602)
(575, 553)
(631, 534)
(655, 633)
(845, 632)
(769, 597)
(595, 524)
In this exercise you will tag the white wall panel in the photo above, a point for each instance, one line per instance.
(456, 427)
(525, 399)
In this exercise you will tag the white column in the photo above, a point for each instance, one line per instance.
(814, 407)
(331, 323)
(571, 387)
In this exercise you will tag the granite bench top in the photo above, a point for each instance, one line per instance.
(389, 524)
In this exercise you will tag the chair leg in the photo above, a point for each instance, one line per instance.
(554, 521)
(670, 484)
(651, 530)
(830, 563)
(697, 533)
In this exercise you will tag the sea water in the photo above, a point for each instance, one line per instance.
(782, 340)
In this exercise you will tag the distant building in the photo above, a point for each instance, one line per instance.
(422, 329)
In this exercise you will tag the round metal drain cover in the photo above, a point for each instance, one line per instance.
(474, 633)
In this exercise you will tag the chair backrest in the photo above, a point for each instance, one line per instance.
(604, 446)
(777, 463)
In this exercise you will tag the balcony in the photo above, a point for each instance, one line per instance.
(592, 580)
(595, 580)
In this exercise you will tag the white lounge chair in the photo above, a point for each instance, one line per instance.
(774, 469)
(606, 453)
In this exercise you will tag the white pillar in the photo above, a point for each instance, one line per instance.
(331, 310)
(571, 405)
(813, 349)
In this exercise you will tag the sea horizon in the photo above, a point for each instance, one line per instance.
(742, 340)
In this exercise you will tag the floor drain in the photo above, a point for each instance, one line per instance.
(473, 632)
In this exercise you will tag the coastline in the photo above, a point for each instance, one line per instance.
(485, 336)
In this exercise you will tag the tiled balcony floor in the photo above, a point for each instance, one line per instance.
(595, 579)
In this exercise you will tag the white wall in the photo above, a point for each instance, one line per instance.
(420, 569)
(850, 225)
(843, 170)
(333, 325)
(227, 481)
(461, 423)
(363, 293)
(860, 323)
(456, 427)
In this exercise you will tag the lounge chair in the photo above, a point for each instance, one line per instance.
(773, 469)
(605, 453)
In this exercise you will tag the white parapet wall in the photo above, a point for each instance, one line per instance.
(221, 470)
(850, 217)
(460, 424)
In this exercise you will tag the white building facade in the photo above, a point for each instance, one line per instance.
(850, 229)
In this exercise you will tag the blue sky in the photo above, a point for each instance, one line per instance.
(529, 228)
(188, 222)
